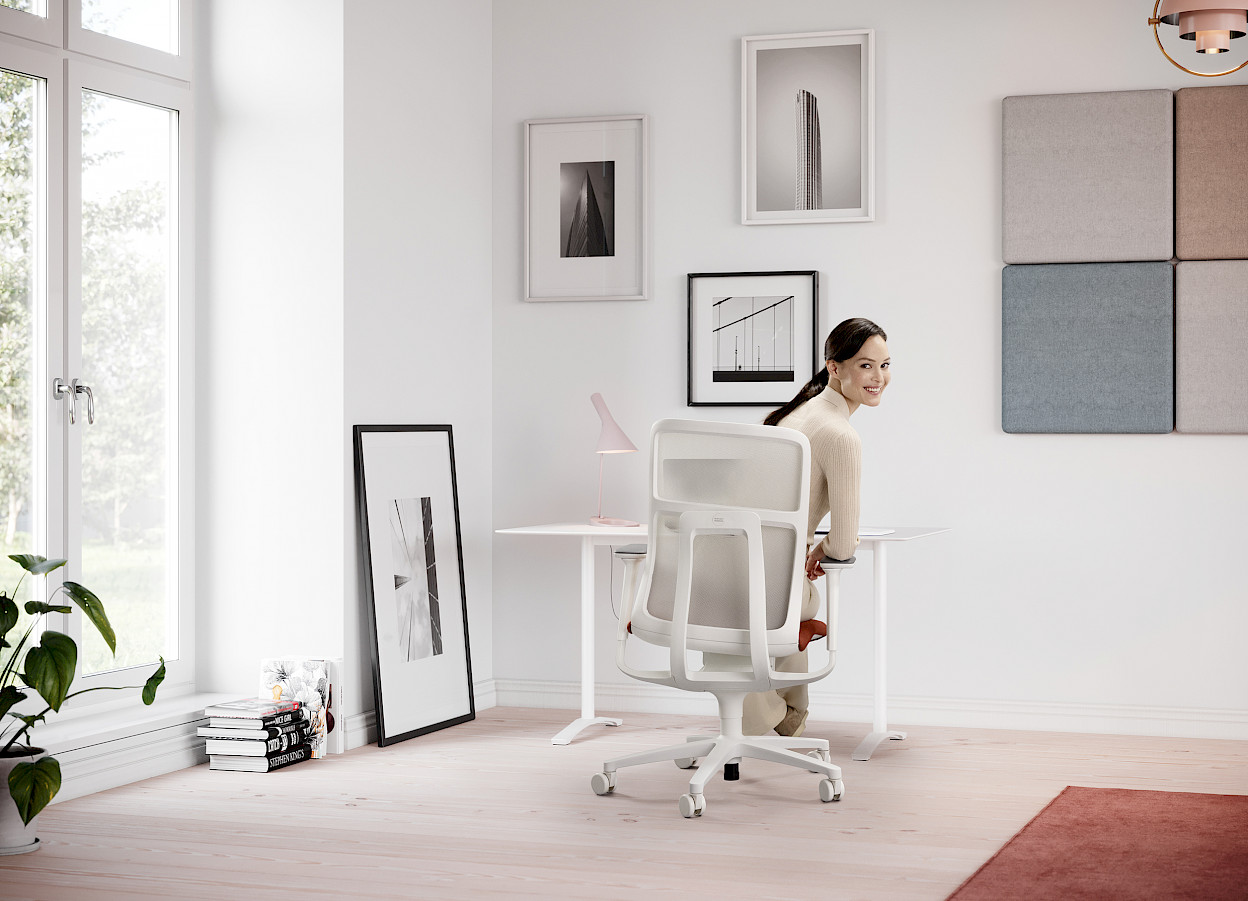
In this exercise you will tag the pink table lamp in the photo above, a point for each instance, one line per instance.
(611, 441)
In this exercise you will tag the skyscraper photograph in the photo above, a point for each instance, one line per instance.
(587, 209)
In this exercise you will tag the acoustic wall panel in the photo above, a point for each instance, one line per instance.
(1087, 348)
(1211, 389)
(1088, 177)
(1211, 178)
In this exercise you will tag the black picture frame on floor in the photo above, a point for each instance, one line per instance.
(752, 338)
(412, 578)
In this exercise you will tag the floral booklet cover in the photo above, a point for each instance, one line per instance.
(308, 681)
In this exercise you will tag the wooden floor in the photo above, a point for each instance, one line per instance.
(491, 809)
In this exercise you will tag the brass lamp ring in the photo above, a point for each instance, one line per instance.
(1154, 21)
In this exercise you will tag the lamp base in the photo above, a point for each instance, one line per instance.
(611, 521)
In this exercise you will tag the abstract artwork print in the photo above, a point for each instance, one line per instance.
(415, 578)
(752, 339)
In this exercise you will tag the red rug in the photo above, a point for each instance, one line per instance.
(1121, 844)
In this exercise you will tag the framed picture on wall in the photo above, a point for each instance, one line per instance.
(808, 127)
(586, 208)
(751, 337)
(412, 565)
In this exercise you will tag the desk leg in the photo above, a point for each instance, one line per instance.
(879, 725)
(587, 717)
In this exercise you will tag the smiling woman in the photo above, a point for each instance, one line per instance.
(856, 372)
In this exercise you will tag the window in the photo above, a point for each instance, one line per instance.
(95, 301)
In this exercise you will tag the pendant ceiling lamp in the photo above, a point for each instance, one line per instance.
(1212, 29)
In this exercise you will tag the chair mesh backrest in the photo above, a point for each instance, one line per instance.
(764, 470)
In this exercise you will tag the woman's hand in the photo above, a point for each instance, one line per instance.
(813, 560)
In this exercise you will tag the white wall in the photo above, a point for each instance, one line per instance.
(269, 335)
(345, 203)
(417, 250)
(1090, 581)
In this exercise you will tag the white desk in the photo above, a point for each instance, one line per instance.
(877, 545)
(593, 536)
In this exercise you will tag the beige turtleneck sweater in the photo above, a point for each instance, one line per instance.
(836, 469)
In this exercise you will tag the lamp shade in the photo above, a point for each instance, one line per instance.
(612, 440)
(1211, 28)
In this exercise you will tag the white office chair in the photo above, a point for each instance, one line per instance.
(723, 576)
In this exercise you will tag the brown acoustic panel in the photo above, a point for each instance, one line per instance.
(1211, 173)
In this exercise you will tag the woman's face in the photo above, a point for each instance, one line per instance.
(863, 378)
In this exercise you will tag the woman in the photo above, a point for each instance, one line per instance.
(855, 374)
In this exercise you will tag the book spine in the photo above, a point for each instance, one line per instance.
(260, 722)
(251, 747)
(299, 730)
(295, 755)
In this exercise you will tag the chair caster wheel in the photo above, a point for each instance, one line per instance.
(691, 805)
(732, 772)
(686, 763)
(831, 789)
(602, 783)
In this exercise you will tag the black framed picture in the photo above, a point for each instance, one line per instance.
(752, 336)
(411, 552)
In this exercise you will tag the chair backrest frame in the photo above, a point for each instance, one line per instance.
(776, 542)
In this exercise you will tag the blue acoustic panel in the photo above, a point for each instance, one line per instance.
(1087, 178)
(1211, 332)
(1087, 348)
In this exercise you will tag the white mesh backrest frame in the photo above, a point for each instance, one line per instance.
(785, 515)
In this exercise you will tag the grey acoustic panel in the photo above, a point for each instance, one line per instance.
(1211, 181)
(1087, 178)
(1087, 348)
(1211, 338)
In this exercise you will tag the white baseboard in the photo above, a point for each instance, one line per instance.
(1176, 722)
(362, 727)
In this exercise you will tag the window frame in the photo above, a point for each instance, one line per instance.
(46, 29)
(136, 56)
(46, 51)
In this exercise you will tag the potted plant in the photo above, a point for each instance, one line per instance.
(47, 669)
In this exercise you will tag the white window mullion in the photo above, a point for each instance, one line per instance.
(46, 24)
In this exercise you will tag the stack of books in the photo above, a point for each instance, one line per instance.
(256, 736)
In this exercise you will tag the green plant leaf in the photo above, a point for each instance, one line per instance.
(50, 667)
(8, 614)
(33, 785)
(10, 695)
(153, 682)
(41, 607)
(94, 610)
(36, 565)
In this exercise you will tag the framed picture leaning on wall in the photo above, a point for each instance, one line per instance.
(808, 127)
(587, 208)
(751, 337)
(412, 567)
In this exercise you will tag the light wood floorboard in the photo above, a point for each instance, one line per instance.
(491, 809)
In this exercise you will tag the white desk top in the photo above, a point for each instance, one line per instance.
(587, 529)
(579, 530)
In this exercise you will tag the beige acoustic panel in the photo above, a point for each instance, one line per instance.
(1211, 173)
(1211, 334)
(1087, 178)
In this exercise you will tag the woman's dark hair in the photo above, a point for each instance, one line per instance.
(843, 343)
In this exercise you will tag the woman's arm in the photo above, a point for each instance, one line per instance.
(839, 456)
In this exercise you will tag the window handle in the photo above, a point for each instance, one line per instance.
(79, 388)
(61, 390)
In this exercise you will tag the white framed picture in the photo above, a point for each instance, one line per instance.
(586, 208)
(412, 560)
(808, 128)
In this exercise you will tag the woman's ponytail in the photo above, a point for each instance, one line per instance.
(811, 389)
